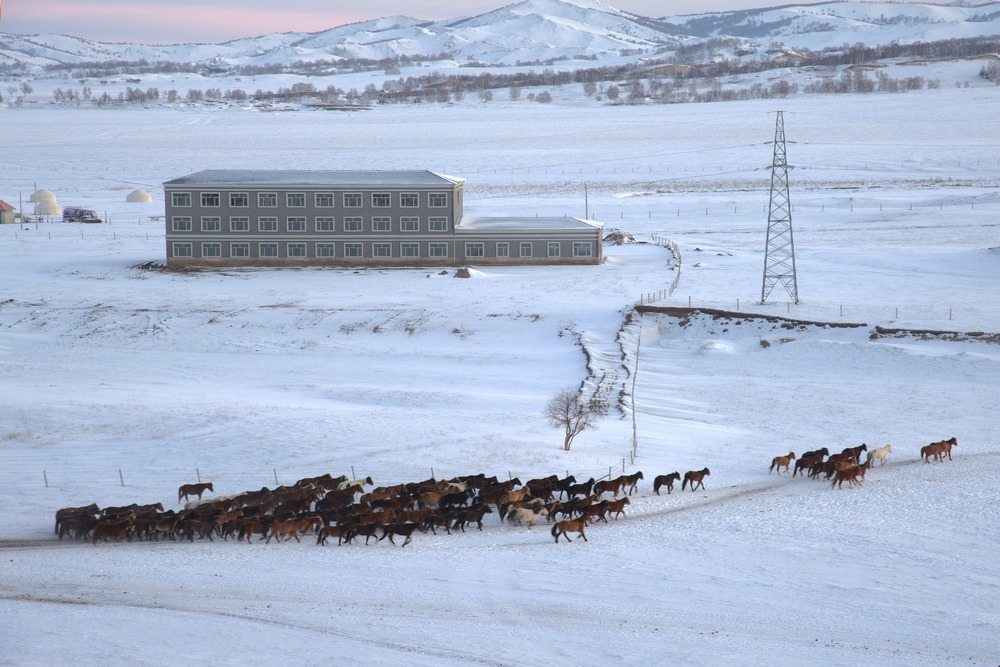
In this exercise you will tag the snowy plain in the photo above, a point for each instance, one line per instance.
(119, 382)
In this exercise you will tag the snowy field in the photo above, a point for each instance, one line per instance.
(119, 382)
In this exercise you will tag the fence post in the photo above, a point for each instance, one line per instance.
(197, 473)
(45, 476)
(276, 476)
(121, 477)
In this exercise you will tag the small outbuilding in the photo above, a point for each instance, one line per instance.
(7, 216)
(43, 195)
(48, 208)
(139, 196)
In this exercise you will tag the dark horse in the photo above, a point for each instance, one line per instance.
(696, 477)
(667, 481)
(187, 490)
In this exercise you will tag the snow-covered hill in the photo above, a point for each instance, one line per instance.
(539, 30)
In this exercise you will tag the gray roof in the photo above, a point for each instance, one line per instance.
(309, 178)
(468, 223)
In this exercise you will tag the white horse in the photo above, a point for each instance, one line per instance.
(879, 453)
(356, 484)
(525, 516)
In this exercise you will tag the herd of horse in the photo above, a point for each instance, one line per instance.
(326, 507)
(846, 466)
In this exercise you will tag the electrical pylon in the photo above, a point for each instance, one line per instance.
(779, 253)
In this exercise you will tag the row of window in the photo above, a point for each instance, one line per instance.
(356, 250)
(241, 223)
(320, 199)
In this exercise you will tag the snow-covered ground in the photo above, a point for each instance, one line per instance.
(118, 383)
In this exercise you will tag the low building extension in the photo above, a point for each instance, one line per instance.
(226, 218)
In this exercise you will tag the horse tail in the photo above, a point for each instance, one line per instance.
(555, 530)
(684, 483)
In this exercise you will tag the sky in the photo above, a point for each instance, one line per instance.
(215, 21)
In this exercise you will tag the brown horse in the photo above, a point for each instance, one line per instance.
(187, 490)
(403, 529)
(566, 526)
(612, 485)
(616, 508)
(665, 480)
(780, 462)
(696, 478)
(946, 446)
(632, 481)
(935, 450)
(75, 512)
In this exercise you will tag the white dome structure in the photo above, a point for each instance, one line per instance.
(48, 208)
(139, 196)
(43, 195)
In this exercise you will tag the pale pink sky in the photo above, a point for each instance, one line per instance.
(214, 21)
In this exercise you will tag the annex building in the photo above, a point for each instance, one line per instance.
(225, 218)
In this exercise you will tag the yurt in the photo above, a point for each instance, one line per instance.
(43, 195)
(48, 208)
(139, 196)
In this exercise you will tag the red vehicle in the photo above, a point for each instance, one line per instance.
(73, 214)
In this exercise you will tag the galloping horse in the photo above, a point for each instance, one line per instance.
(188, 490)
(780, 462)
(880, 453)
(569, 526)
(666, 480)
(696, 477)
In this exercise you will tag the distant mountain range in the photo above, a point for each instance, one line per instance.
(543, 30)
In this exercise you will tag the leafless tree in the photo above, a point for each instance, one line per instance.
(567, 410)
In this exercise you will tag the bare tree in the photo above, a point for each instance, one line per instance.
(568, 411)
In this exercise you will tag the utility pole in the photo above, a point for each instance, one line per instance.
(779, 253)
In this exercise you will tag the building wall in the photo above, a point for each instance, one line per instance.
(238, 224)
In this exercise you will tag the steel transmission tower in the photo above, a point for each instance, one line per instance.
(779, 254)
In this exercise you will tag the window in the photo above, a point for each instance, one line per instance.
(295, 199)
(267, 224)
(553, 248)
(474, 250)
(268, 250)
(297, 224)
(211, 250)
(239, 223)
(409, 250)
(437, 224)
(211, 224)
(352, 224)
(583, 249)
(380, 199)
(180, 199)
(324, 250)
(239, 249)
(324, 200)
(182, 249)
(239, 199)
(437, 199)
(381, 224)
(267, 199)
(381, 250)
(352, 200)
(409, 200)
(437, 250)
(297, 250)
(352, 250)
(324, 224)
(409, 224)
(210, 199)
(181, 223)
(525, 249)
(503, 250)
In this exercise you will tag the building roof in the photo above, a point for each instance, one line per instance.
(311, 178)
(473, 224)
(4, 206)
